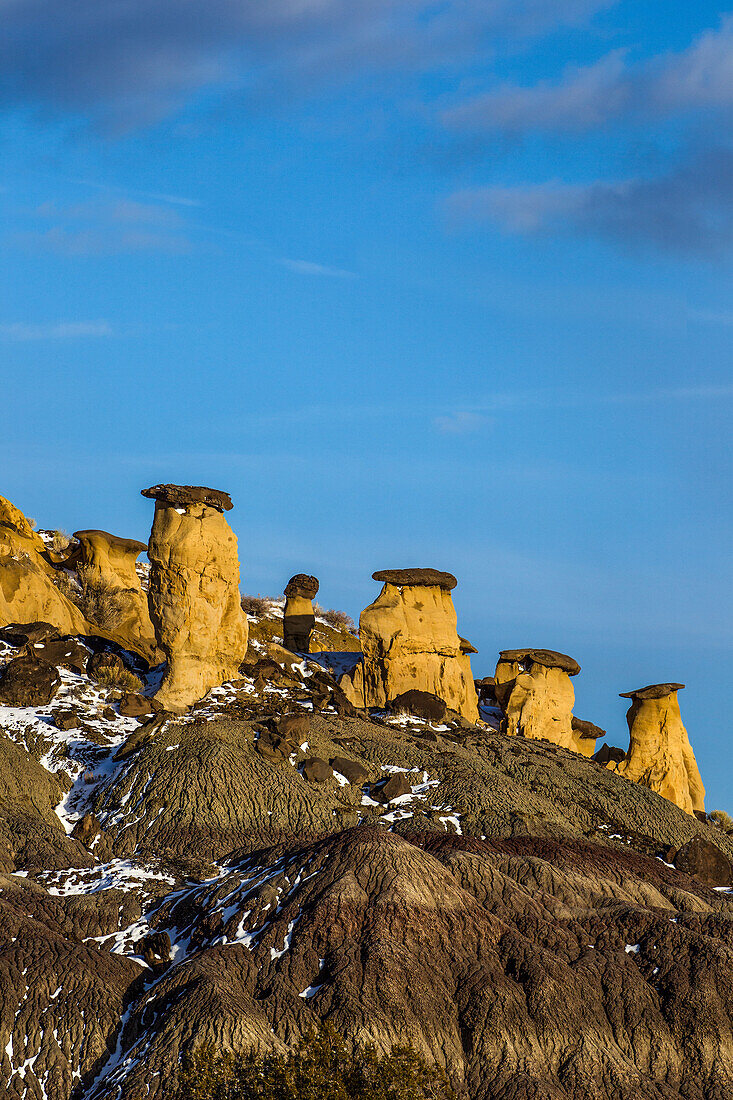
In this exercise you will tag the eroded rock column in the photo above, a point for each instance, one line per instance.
(194, 595)
(298, 616)
(409, 640)
(533, 688)
(660, 755)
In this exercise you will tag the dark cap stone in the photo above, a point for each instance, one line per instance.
(304, 584)
(653, 691)
(431, 578)
(586, 730)
(550, 658)
(180, 495)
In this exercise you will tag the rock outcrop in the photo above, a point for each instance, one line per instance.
(27, 591)
(660, 755)
(299, 617)
(194, 596)
(534, 690)
(112, 559)
(409, 641)
(585, 735)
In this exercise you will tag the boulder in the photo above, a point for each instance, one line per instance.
(133, 705)
(395, 787)
(295, 727)
(534, 690)
(660, 755)
(316, 770)
(194, 596)
(104, 662)
(298, 615)
(352, 770)
(64, 653)
(66, 719)
(422, 704)
(410, 642)
(28, 682)
(705, 861)
(20, 634)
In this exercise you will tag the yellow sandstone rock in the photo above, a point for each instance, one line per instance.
(534, 689)
(409, 639)
(27, 591)
(660, 755)
(113, 559)
(194, 591)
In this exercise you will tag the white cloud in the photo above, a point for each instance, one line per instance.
(461, 422)
(63, 330)
(306, 267)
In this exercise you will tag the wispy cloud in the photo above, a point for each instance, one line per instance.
(138, 61)
(688, 210)
(461, 422)
(102, 227)
(62, 330)
(699, 78)
(306, 267)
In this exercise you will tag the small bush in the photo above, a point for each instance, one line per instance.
(113, 677)
(60, 541)
(322, 1068)
(98, 600)
(723, 820)
(67, 586)
(256, 605)
(339, 620)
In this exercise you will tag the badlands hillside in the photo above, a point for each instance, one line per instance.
(223, 819)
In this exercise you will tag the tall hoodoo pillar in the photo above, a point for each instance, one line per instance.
(410, 640)
(194, 596)
(535, 692)
(660, 755)
(299, 617)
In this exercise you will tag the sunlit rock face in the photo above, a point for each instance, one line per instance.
(534, 689)
(410, 640)
(194, 595)
(660, 755)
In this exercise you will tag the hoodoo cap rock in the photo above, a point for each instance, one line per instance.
(550, 658)
(127, 546)
(432, 578)
(653, 691)
(189, 494)
(302, 584)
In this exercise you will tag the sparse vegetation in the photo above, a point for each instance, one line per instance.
(256, 605)
(60, 541)
(723, 820)
(339, 620)
(98, 600)
(113, 677)
(322, 1068)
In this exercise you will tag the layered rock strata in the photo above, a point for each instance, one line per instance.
(534, 690)
(660, 755)
(194, 596)
(299, 617)
(409, 641)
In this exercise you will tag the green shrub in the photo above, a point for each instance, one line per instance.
(321, 1068)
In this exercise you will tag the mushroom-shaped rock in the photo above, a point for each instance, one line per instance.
(298, 616)
(660, 755)
(194, 596)
(534, 690)
(27, 591)
(410, 641)
(585, 736)
(112, 559)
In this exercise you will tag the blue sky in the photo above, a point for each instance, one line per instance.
(418, 283)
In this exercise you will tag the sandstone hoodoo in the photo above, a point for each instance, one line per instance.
(585, 736)
(194, 596)
(660, 755)
(410, 641)
(299, 617)
(534, 690)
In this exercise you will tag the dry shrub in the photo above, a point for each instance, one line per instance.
(256, 605)
(723, 820)
(67, 586)
(60, 541)
(98, 600)
(339, 620)
(113, 677)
